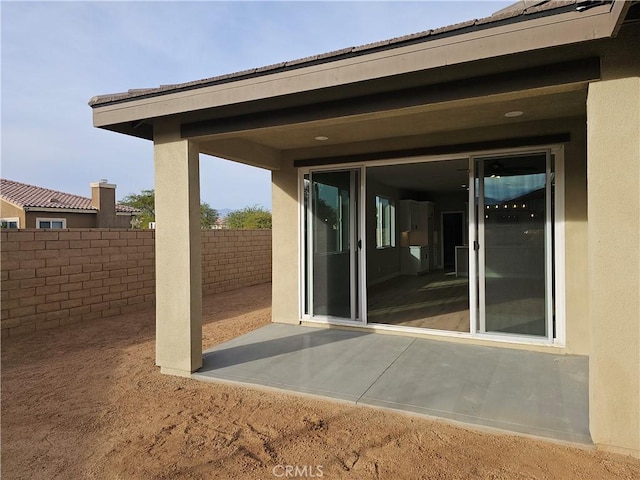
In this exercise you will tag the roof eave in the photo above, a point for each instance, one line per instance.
(134, 116)
(58, 209)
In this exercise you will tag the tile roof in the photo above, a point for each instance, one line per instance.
(25, 195)
(519, 11)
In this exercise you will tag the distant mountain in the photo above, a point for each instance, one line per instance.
(223, 212)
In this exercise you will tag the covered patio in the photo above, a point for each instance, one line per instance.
(519, 391)
(556, 78)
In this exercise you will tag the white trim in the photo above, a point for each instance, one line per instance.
(11, 219)
(380, 221)
(426, 332)
(301, 251)
(549, 271)
(362, 252)
(559, 271)
(353, 244)
(310, 246)
(560, 245)
(356, 187)
(481, 253)
(548, 247)
(46, 219)
(429, 158)
(471, 235)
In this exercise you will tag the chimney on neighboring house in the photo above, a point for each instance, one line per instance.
(103, 197)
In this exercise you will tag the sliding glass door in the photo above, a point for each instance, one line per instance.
(514, 257)
(332, 244)
(506, 258)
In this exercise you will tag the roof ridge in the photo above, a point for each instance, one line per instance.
(4, 180)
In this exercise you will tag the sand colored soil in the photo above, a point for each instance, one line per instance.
(86, 401)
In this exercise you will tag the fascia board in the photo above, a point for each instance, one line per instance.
(618, 13)
(545, 32)
(58, 210)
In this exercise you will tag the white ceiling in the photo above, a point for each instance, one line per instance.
(437, 177)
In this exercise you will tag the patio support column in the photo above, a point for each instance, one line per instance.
(284, 289)
(178, 261)
(613, 173)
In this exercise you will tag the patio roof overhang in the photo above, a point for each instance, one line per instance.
(387, 98)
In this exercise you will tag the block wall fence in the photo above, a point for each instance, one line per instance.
(57, 277)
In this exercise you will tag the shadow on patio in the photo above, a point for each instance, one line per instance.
(515, 390)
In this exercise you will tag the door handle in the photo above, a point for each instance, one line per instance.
(359, 244)
(476, 245)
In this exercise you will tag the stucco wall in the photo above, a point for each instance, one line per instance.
(614, 263)
(10, 211)
(74, 220)
(52, 278)
(284, 306)
(578, 339)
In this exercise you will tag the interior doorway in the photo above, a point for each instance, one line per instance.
(453, 228)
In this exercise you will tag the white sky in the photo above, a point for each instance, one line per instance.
(57, 55)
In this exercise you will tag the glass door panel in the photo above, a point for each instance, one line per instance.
(331, 244)
(512, 200)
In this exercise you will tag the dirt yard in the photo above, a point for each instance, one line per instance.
(86, 401)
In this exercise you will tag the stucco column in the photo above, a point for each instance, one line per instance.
(285, 264)
(178, 262)
(613, 175)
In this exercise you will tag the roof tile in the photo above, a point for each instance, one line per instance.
(505, 14)
(455, 26)
(550, 5)
(371, 46)
(25, 195)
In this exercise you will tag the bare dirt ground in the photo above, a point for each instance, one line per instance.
(86, 401)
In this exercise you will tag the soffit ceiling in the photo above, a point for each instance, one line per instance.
(449, 176)
(299, 138)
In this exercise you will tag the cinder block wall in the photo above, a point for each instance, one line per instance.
(52, 278)
(235, 258)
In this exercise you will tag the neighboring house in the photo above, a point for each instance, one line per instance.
(507, 147)
(28, 206)
(220, 224)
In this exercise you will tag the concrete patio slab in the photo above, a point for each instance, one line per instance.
(526, 392)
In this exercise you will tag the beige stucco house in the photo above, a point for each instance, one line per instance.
(493, 164)
(30, 206)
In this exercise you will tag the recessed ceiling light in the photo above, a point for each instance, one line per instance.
(321, 138)
(514, 113)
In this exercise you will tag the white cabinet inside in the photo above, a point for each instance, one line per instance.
(414, 260)
(414, 215)
(409, 213)
(416, 221)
